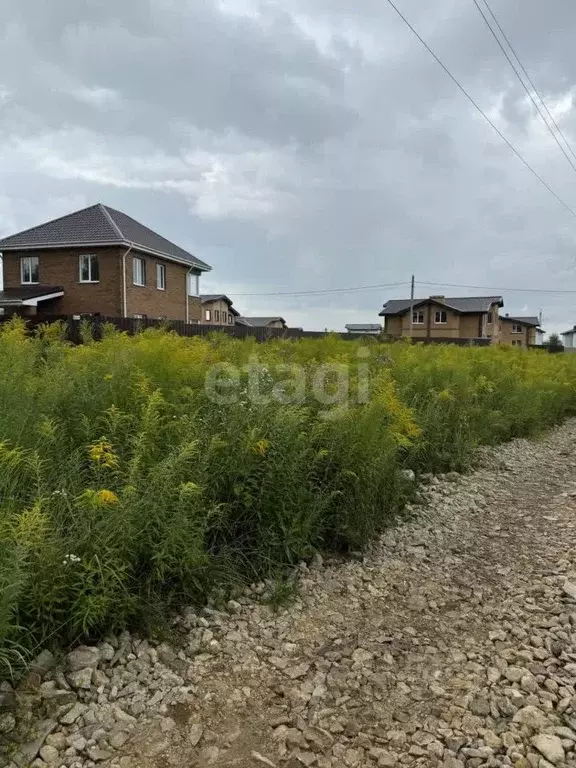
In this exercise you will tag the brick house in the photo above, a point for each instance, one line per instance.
(519, 331)
(217, 309)
(98, 261)
(442, 317)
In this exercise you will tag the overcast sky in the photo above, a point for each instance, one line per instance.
(301, 145)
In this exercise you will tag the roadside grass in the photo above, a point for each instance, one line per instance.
(126, 491)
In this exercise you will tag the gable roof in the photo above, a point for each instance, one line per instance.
(363, 327)
(99, 225)
(259, 322)
(206, 298)
(532, 320)
(460, 304)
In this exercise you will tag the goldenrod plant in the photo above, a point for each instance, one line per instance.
(141, 473)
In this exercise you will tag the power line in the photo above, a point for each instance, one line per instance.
(323, 291)
(522, 83)
(536, 91)
(379, 286)
(500, 290)
(480, 110)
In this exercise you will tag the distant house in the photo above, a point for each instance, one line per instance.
(519, 331)
(262, 322)
(443, 317)
(569, 338)
(217, 309)
(364, 329)
(98, 261)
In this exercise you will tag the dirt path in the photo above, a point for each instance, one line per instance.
(452, 644)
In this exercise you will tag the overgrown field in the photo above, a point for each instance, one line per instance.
(125, 488)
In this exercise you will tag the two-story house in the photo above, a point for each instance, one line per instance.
(98, 261)
(520, 331)
(217, 309)
(442, 317)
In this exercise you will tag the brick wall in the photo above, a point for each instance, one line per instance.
(61, 268)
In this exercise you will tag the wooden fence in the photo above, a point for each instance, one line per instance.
(75, 329)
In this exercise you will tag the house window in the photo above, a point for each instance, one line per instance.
(516, 343)
(88, 266)
(193, 284)
(417, 317)
(229, 319)
(440, 317)
(217, 315)
(139, 317)
(489, 317)
(29, 269)
(516, 328)
(161, 277)
(208, 315)
(139, 271)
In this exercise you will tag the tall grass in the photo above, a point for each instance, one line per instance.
(125, 488)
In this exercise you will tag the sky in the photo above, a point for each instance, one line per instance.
(303, 145)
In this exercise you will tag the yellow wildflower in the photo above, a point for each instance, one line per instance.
(101, 453)
(445, 396)
(261, 447)
(107, 377)
(104, 496)
(190, 487)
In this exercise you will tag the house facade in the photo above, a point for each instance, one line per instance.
(441, 317)
(569, 339)
(217, 309)
(98, 261)
(519, 331)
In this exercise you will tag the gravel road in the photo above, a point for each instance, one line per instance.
(452, 643)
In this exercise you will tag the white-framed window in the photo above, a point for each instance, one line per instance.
(208, 315)
(516, 328)
(138, 316)
(489, 317)
(229, 319)
(139, 270)
(217, 315)
(29, 269)
(88, 267)
(193, 284)
(417, 317)
(161, 277)
(516, 343)
(440, 317)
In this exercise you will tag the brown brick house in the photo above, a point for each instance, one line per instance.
(519, 331)
(217, 309)
(98, 261)
(442, 317)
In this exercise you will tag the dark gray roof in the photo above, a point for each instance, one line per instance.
(98, 225)
(363, 327)
(572, 330)
(259, 322)
(463, 304)
(533, 320)
(24, 293)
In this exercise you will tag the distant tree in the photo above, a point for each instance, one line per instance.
(554, 341)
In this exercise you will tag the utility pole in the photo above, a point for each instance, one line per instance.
(411, 304)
